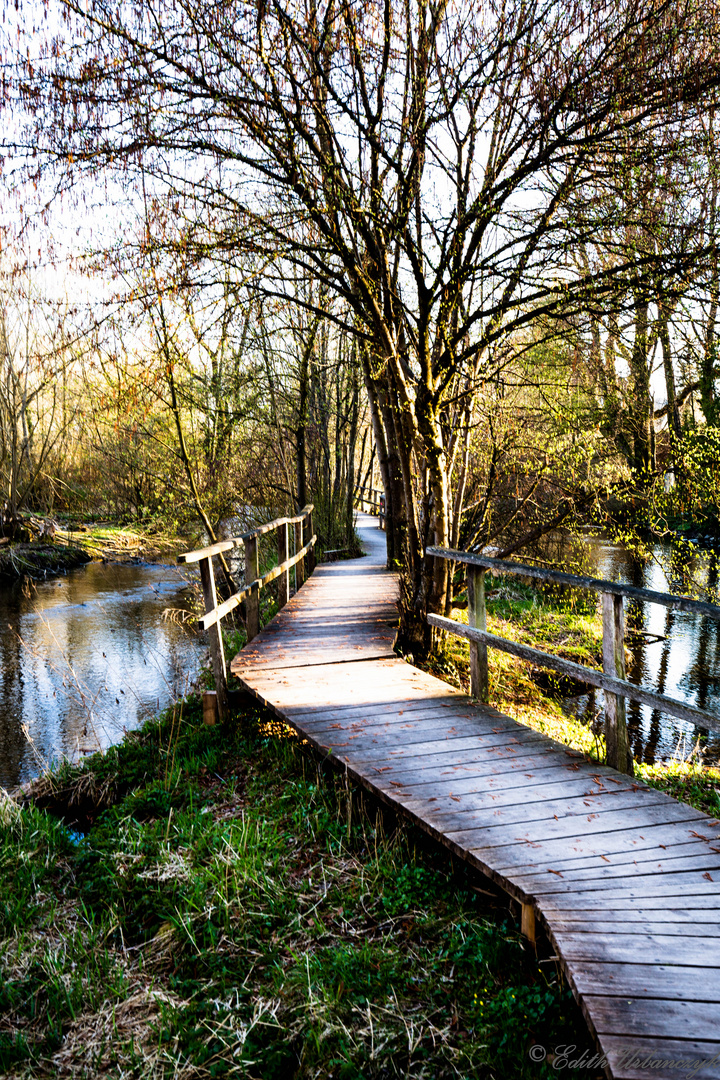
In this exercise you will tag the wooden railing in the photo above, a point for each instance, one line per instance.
(374, 498)
(612, 678)
(302, 560)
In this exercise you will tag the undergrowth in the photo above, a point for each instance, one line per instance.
(234, 911)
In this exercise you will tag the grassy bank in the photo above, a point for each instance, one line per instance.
(573, 630)
(232, 912)
(58, 549)
(40, 559)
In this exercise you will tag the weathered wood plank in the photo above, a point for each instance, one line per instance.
(640, 1016)
(642, 979)
(661, 1059)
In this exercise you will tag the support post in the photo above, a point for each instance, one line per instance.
(527, 922)
(210, 707)
(284, 579)
(477, 617)
(252, 571)
(217, 651)
(300, 564)
(616, 738)
(311, 560)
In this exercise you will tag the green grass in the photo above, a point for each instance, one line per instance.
(235, 911)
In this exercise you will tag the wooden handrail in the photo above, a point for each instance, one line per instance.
(376, 499)
(206, 621)
(305, 541)
(208, 552)
(558, 577)
(612, 679)
(580, 672)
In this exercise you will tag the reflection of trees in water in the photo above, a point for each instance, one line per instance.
(92, 663)
(653, 663)
(643, 749)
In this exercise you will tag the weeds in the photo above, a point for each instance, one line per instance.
(235, 909)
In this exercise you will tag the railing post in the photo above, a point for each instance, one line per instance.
(477, 617)
(284, 580)
(616, 738)
(300, 564)
(252, 604)
(217, 651)
(311, 559)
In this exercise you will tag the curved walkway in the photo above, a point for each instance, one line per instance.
(625, 880)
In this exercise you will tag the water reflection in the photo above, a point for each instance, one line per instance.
(676, 653)
(85, 658)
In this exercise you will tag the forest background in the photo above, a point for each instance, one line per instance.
(258, 255)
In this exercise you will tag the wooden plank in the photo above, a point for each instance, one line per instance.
(668, 853)
(661, 1059)
(641, 979)
(474, 806)
(506, 855)
(634, 917)
(591, 824)
(252, 574)
(708, 862)
(606, 927)
(624, 899)
(691, 950)
(657, 1017)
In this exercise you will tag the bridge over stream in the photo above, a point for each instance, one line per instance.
(624, 880)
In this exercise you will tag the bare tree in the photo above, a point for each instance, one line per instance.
(414, 159)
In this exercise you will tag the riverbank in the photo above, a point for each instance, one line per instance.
(39, 560)
(233, 910)
(59, 549)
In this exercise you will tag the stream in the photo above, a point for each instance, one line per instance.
(87, 657)
(675, 653)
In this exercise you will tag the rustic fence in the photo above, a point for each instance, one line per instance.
(303, 560)
(612, 678)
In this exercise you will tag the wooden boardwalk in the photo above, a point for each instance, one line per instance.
(624, 879)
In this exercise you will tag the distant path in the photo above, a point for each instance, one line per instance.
(624, 879)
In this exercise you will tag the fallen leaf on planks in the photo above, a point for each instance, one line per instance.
(383, 768)
(699, 835)
(559, 874)
(707, 876)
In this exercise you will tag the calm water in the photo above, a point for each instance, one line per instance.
(675, 653)
(86, 657)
